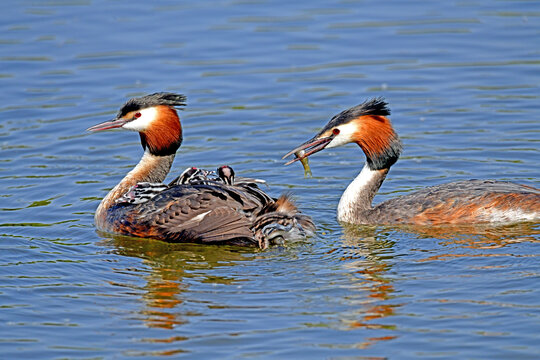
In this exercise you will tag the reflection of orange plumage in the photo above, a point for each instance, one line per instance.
(374, 285)
(462, 202)
(162, 294)
(169, 269)
(379, 311)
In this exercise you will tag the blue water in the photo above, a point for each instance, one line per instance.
(462, 80)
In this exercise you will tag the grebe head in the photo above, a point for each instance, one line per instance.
(155, 118)
(366, 125)
(226, 173)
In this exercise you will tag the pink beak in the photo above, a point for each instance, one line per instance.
(111, 124)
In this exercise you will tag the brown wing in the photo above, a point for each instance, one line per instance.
(211, 213)
(204, 213)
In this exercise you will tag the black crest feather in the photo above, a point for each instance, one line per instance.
(376, 106)
(160, 98)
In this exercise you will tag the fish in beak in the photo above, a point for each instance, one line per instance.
(308, 148)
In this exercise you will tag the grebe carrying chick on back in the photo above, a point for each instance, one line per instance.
(461, 202)
(198, 206)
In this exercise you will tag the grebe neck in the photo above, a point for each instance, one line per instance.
(382, 149)
(356, 201)
(151, 168)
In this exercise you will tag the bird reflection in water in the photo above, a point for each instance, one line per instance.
(376, 292)
(171, 266)
(367, 256)
(479, 237)
(370, 255)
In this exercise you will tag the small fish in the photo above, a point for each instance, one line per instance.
(305, 163)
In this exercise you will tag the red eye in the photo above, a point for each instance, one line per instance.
(137, 115)
(335, 131)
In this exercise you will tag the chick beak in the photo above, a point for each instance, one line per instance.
(311, 147)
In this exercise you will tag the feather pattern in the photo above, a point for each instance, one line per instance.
(200, 206)
(468, 201)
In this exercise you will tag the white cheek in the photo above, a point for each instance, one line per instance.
(140, 124)
(345, 135)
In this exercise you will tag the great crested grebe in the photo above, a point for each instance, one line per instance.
(199, 205)
(461, 202)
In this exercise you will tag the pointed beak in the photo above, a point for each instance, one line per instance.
(111, 124)
(310, 147)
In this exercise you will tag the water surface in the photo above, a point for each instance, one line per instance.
(462, 80)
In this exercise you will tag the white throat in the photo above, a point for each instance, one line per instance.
(358, 196)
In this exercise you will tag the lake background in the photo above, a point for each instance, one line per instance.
(463, 82)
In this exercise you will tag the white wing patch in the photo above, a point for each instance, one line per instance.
(196, 219)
